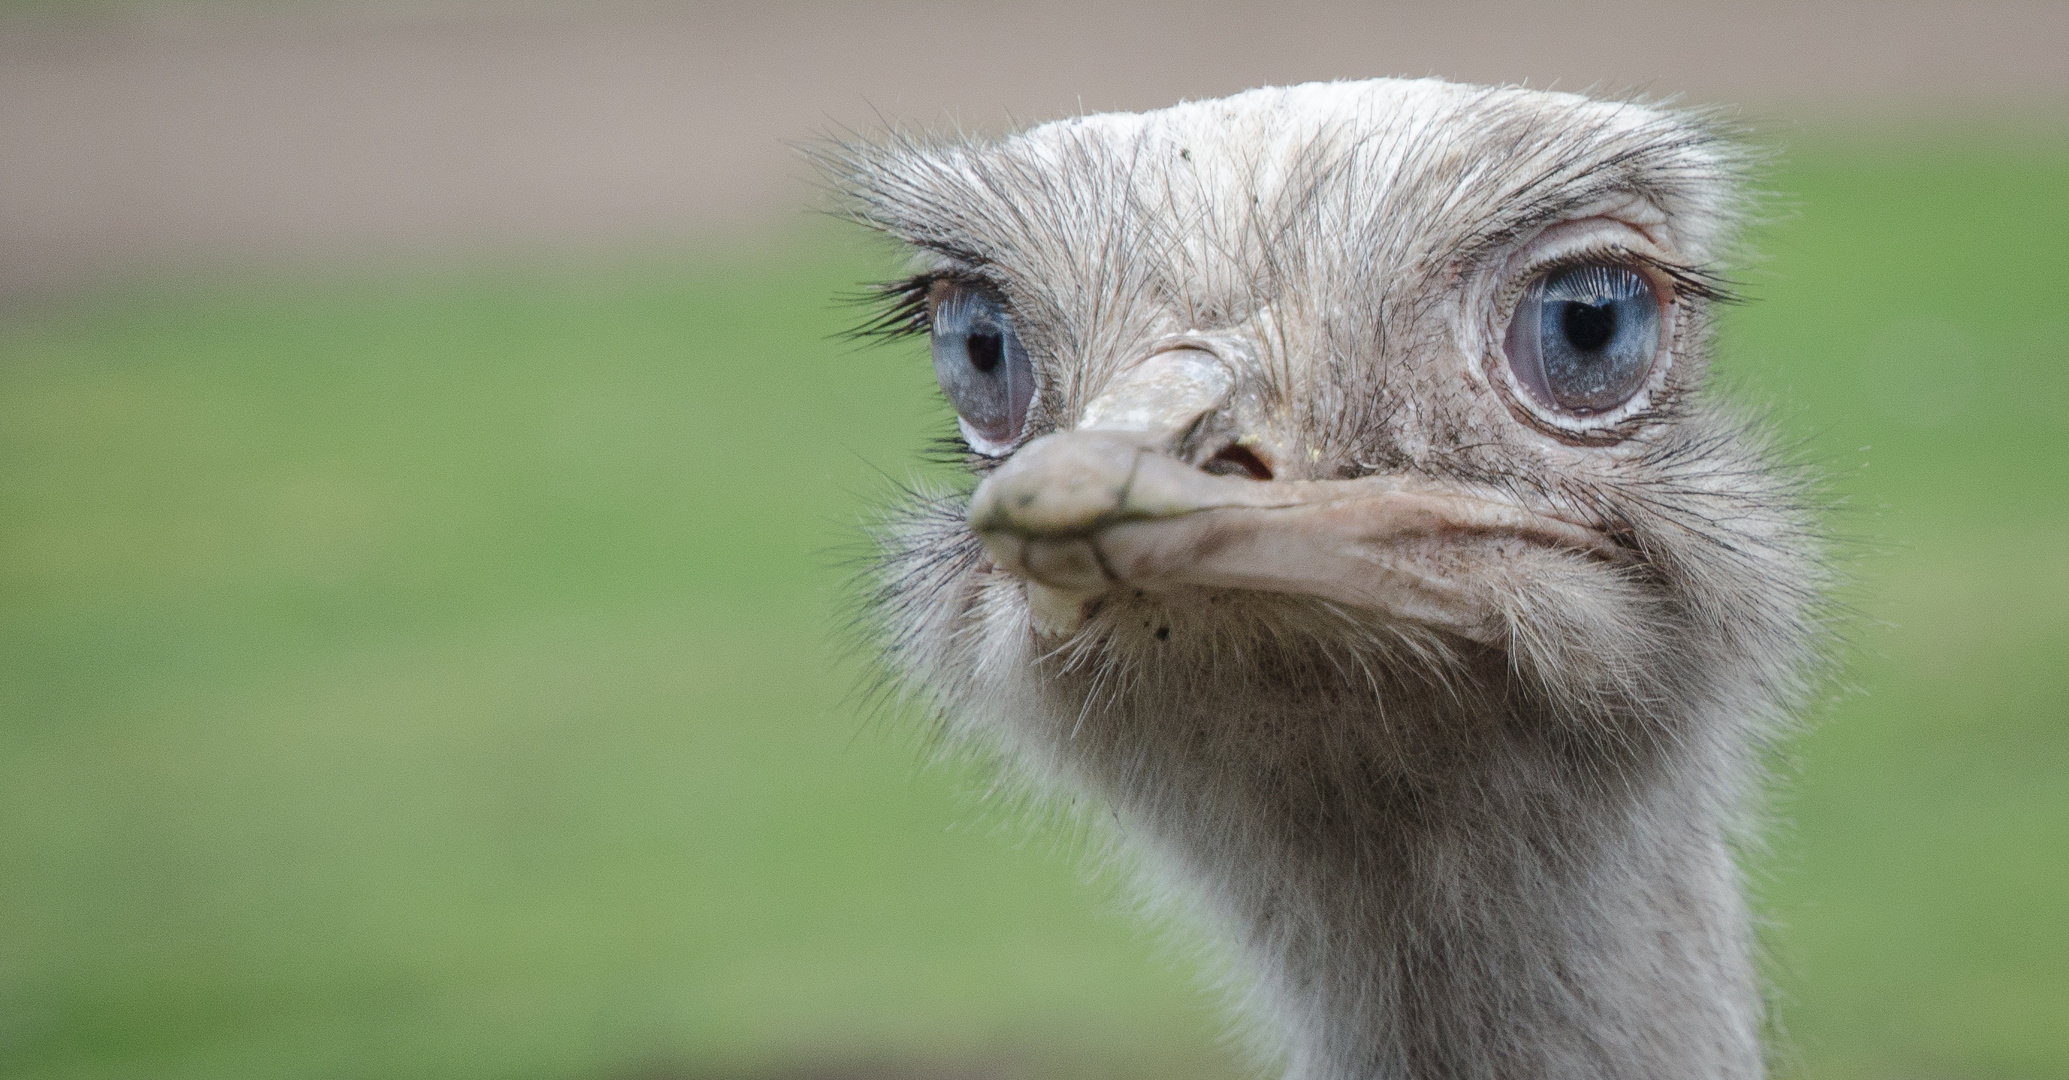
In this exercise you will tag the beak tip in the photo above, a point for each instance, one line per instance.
(1065, 484)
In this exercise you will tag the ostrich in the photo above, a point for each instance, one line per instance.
(1349, 524)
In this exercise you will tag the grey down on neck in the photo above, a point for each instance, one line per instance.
(1425, 660)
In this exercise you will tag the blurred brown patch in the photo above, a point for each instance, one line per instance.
(154, 138)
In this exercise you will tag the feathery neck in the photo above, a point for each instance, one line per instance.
(1452, 885)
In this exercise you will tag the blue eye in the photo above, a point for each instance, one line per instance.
(1583, 339)
(981, 366)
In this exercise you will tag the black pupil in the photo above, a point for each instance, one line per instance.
(1588, 327)
(986, 350)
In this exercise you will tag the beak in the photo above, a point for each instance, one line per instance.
(1082, 512)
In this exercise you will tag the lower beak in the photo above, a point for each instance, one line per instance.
(1080, 513)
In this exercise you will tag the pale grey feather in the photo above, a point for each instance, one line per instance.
(1494, 855)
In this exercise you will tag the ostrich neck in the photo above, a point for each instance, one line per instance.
(1461, 893)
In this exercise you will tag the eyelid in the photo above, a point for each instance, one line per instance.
(942, 285)
(1592, 239)
(1675, 281)
(1595, 255)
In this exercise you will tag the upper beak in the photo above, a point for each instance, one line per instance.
(1080, 512)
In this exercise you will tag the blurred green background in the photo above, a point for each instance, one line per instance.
(437, 673)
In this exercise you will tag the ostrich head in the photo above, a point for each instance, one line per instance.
(1349, 519)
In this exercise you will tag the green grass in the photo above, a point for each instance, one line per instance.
(433, 676)
(1915, 321)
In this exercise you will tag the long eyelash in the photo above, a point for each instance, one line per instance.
(898, 309)
(1697, 281)
(1690, 282)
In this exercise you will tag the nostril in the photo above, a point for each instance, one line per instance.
(1236, 459)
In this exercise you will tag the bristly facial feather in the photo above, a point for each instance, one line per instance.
(1503, 852)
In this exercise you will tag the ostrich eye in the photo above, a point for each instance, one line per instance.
(1582, 340)
(981, 366)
